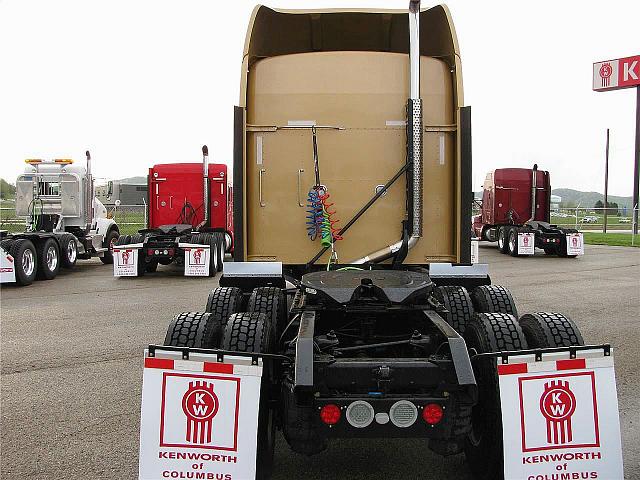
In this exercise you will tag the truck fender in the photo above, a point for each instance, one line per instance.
(104, 225)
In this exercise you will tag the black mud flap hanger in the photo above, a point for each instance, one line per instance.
(538, 352)
(220, 354)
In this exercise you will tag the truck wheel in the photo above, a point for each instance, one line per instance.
(544, 330)
(48, 259)
(193, 329)
(512, 244)
(493, 299)
(6, 244)
(272, 302)
(222, 303)
(24, 255)
(502, 239)
(489, 332)
(142, 265)
(457, 301)
(123, 240)
(220, 243)
(252, 332)
(109, 241)
(68, 250)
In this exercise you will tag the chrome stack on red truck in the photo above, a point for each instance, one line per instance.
(515, 212)
(189, 221)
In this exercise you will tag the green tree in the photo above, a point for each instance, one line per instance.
(6, 189)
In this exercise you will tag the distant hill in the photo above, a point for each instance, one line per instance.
(572, 198)
(7, 190)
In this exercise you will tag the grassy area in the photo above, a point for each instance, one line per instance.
(614, 239)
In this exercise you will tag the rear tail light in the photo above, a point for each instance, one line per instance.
(150, 251)
(171, 251)
(360, 414)
(330, 414)
(432, 413)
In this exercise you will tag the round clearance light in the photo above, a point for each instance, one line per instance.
(165, 252)
(360, 414)
(157, 252)
(330, 414)
(403, 414)
(432, 413)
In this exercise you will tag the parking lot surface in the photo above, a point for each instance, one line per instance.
(71, 365)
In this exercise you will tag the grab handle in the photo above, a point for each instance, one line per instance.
(262, 171)
(300, 172)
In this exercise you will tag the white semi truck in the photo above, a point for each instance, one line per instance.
(64, 222)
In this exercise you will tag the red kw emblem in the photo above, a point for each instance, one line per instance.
(200, 405)
(558, 404)
(605, 74)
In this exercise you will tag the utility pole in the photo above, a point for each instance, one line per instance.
(606, 184)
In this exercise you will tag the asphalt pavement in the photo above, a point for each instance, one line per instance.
(71, 366)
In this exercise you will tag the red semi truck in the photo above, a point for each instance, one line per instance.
(189, 212)
(515, 212)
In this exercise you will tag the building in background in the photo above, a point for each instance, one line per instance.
(127, 193)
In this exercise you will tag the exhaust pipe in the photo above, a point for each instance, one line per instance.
(414, 134)
(534, 188)
(205, 185)
(89, 193)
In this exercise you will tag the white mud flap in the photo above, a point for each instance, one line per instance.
(575, 244)
(196, 259)
(7, 267)
(526, 243)
(199, 417)
(560, 417)
(125, 260)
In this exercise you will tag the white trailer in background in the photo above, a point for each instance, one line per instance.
(64, 222)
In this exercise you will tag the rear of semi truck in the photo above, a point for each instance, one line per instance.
(515, 213)
(352, 278)
(188, 213)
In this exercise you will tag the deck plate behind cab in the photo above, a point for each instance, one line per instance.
(387, 285)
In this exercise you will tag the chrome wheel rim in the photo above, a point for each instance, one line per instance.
(52, 258)
(28, 263)
(72, 251)
(501, 238)
(214, 258)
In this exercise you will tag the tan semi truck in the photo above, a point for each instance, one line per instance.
(352, 276)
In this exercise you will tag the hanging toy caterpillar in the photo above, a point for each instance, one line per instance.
(315, 215)
(329, 228)
(320, 217)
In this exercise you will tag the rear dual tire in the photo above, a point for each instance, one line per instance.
(25, 257)
(48, 259)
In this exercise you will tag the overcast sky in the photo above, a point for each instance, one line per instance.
(150, 81)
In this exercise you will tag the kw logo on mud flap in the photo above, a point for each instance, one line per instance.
(558, 404)
(197, 256)
(558, 411)
(200, 405)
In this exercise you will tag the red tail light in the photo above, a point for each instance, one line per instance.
(330, 414)
(171, 251)
(150, 252)
(432, 413)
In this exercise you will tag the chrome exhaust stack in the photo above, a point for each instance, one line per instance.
(205, 185)
(414, 140)
(89, 194)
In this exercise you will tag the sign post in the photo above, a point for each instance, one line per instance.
(615, 75)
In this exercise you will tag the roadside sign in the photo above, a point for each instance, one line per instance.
(616, 74)
(199, 417)
(526, 243)
(196, 259)
(575, 244)
(125, 261)
(560, 417)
